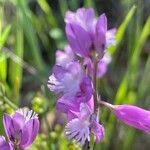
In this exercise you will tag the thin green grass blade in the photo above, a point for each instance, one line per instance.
(4, 35)
(63, 7)
(131, 74)
(1, 120)
(3, 68)
(30, 33)
(121, 30)
(39, 25)
(89, 3)
(4, 99)
(15, 70)
(144, 85)
(1, 17)
(139, 44)
(48, 11)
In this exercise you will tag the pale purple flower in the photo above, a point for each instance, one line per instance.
(102, 65)
(86, 34)
(63, 58)
(22, 127)
(71, 84)
(4, 145)
(133, 116)
(110, 37)
(66, 80)
(81, 126)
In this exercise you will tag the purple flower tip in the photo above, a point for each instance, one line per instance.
(134, 116)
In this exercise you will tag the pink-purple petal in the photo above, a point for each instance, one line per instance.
(102, 24)
(85, 112)
(77, 130)
(63, 58)
(110, 37)
(80, 43)
(97, 130)
(7, 123)
(59, 72)
(4, 145)
(86, 90)
(100, 35)
(66, 103)
(29, 132)
(18, 120)
(85, 17)
(134, 116)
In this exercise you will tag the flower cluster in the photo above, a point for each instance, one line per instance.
(74, 77)
(73, 72)
(21, 129)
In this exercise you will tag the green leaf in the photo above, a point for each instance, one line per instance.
(48, 11)
(3, 68)
(121, 30)
(4, 35)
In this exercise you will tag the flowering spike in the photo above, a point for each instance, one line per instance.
(74, 75)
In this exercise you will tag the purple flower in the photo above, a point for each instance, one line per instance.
(4, 145)
(82, 125)
(63, 58)
(133, 116)
(71, 84)
(102, 65)
(86, 34)
(21, 128)
(66, 80)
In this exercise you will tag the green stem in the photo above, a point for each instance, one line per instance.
(86, 145)
(95, 88)
(6, 100)
(108, 105)
(17, 147)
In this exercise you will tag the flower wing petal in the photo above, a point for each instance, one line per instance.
(77, 130)
(97, 130)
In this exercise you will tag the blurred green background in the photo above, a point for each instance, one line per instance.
(30, 33)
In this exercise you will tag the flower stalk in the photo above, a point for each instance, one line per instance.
(95, 88)
(108, 105)
(86, 145)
